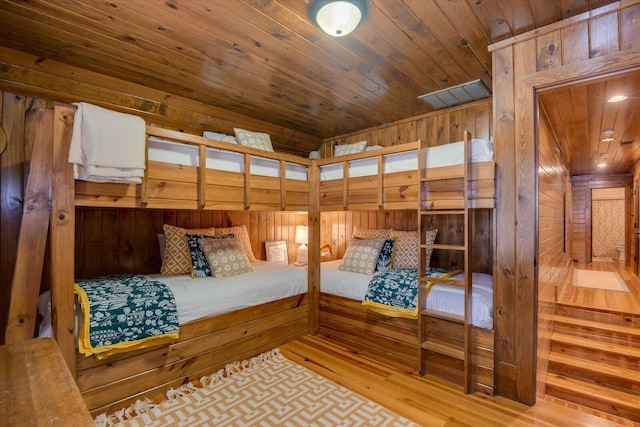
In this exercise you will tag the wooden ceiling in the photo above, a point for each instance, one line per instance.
(266, 60)
(580, 114)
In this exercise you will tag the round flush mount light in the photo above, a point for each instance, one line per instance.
(617, 98)
(607, 135)
(338, 17)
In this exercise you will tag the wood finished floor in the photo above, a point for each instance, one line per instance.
(627, 302)
(429, 401)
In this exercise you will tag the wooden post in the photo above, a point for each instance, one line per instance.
(313, 270)
(63, 235)
(32, 239)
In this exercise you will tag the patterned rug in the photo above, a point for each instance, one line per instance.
(605, 280)
(268, 390)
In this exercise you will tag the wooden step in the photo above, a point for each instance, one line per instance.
(590, 371)
(621, 355)
(594, 396)
(599, 315)
(443, 315)
(595, 330)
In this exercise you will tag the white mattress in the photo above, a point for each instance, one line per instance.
(396, 162)
(199, 298)
(448, 299)
(453, 153)
(230, 161)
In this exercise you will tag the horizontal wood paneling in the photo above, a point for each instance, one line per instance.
(554, 232)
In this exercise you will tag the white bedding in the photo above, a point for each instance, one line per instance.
(396, 162)
(230, 161)
(440, 155)
(453, 153)
(199, 298)
(449, 299)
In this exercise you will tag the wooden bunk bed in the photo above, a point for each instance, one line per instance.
(205, 345)
(434, 342)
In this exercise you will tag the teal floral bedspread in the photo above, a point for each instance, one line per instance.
(394, 293)
(125, 312)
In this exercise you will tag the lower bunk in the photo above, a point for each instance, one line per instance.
(346, 321)
(204, 347)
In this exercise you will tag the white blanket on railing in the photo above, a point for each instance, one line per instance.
(107, 146)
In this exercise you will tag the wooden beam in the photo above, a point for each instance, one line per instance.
(32, 239)
(63, 235)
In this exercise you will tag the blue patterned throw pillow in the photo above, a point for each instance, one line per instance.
(199, 265)
(384, 259)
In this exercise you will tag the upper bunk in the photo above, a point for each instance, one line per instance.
(408, 176)
(184, 171)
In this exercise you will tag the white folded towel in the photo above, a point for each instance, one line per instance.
(107, 146)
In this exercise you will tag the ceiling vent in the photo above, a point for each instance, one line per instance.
(626, 142)
(456, 95)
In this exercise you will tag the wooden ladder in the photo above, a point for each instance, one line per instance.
(463, 209)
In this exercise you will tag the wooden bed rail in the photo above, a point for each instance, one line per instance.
(392, 191)
(174, 186)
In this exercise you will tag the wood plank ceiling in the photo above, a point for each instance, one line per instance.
(265, 59)
(580, 115)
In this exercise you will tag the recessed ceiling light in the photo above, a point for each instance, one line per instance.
(602, 165)
(607, 139)
(617, 98)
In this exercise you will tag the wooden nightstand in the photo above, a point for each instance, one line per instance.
(37, 387)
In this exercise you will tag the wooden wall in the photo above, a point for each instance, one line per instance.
(336, 228)
(125, 240)
(435, 128)
(554, 230)
(581, 213)
(587, 45)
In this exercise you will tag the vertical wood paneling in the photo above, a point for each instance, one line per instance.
(337, 227)
(125, 240)
(629, 24)
(436, 128)
(516, 289)
(575, 43)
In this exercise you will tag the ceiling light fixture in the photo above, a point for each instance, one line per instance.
(617, 98)
(338, 17)
(607, 135)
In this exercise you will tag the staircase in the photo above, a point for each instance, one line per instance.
(595, 360)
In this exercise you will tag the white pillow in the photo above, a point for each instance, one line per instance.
(220, 136)
(259, 140)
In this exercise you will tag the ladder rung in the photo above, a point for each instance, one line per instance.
(443, 349)
(444, 212)
(444, 247)
(442, 315)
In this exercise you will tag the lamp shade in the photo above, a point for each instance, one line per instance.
(338, 17)
(302, 234)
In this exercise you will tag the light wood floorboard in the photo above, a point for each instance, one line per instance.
(626, 302)
(429, 401)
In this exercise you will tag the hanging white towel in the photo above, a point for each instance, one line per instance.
(107, 146)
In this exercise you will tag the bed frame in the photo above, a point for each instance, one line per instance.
(435, 344)
(205, 345)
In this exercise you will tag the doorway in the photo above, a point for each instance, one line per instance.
(608, 225)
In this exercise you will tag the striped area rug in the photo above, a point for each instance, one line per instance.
(268, 390)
